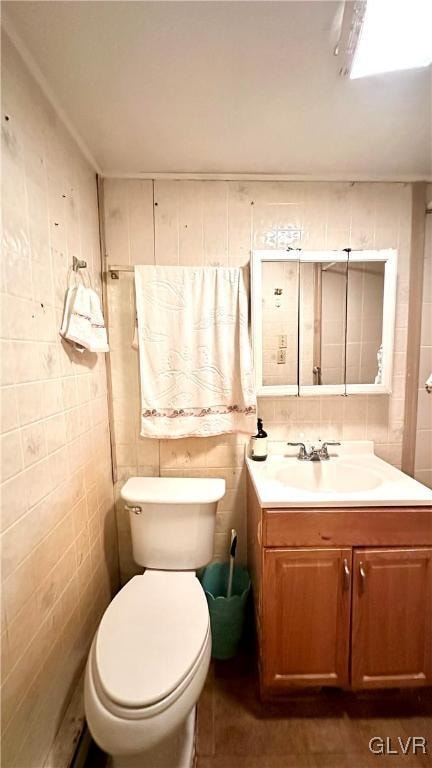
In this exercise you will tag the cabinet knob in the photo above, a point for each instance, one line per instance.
(362, 573)
(347, 573)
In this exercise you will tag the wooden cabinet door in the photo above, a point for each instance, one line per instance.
(306, 617)
(392, 618)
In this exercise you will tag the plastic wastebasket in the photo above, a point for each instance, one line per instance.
(226, 614)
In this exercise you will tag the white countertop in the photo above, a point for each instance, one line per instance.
(353, 477)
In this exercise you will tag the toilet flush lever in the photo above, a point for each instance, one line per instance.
(135, 510)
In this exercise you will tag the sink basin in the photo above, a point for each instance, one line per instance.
(352, 477)
(315, 476)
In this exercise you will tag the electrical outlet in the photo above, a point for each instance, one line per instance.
(281, 356)
(282, 341)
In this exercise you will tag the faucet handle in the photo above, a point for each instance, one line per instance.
(324, 451)
(302, 445)
(302, 452)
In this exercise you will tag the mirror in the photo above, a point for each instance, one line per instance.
(323, 321)
(279, 323)
(323, 286)
(364, 322)
(371, 307)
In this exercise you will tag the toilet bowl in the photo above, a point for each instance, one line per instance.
(150, 656)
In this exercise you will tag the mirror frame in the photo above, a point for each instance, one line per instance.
(389, 256)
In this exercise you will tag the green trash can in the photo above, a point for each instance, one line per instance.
(226, 614)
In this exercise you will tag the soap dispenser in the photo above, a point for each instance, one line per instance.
(259, 443)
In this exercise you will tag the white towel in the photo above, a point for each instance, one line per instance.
(83, 323)
(98, 336)
(195, 358)
(68, 302)
(76, 325)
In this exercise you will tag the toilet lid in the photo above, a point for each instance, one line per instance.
(150, 637)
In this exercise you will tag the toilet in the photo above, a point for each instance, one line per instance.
(149, 658)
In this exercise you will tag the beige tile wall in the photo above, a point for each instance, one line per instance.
(217, 222)
(59, 544)
(423, 458)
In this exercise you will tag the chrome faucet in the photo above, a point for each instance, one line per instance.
(319, 453)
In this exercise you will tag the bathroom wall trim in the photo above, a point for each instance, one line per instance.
(71, 731)
(9, 28)
(349, 177)
(103, 257)
(414, 326)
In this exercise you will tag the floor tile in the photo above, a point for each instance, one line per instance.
(330, 729)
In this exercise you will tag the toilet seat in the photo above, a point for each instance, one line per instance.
(150, 641)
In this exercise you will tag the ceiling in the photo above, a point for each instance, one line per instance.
(223, 87)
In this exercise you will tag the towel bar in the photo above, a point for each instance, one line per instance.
(114, 270)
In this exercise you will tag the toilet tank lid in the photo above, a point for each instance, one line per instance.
(173, 490)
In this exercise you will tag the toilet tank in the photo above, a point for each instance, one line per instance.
(172, 520)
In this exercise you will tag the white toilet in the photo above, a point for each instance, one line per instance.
(150, 656)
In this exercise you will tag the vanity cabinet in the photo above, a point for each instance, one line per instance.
(340, 603)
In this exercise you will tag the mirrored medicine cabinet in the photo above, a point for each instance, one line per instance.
(323, 321)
